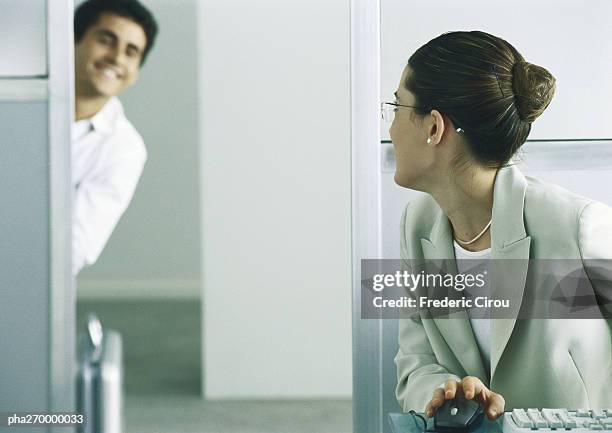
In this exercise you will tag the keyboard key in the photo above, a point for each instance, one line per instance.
(536, 418)
(598, 413)
(520, 418)
(592, 424)
(583, 412)
(585, 422)
(568, 421)
(551, 418)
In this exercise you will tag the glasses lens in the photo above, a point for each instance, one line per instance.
(387, 112)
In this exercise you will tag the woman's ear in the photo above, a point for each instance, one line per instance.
(436, 127)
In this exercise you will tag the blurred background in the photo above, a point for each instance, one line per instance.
(229, 274)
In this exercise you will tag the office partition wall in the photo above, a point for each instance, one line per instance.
(37, 300)
(366, 217)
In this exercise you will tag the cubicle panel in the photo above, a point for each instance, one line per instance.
(365, 221)
(572, 41)
(23, 40)
(24, 239)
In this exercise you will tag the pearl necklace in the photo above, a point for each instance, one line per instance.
(477, 237)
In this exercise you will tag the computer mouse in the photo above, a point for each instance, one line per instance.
(458, 416)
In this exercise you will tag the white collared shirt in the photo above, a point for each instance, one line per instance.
(108, 156)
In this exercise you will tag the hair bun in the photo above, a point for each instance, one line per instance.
(534, 88)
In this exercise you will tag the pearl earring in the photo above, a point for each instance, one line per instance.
(429, 140)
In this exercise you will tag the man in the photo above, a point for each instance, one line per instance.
(112, 40)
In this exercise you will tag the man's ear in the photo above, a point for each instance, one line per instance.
(436, 127)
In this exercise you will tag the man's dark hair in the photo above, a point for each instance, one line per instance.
(88, 13)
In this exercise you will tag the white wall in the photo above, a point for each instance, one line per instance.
(539, 31)
(155, 249)
(276, 198)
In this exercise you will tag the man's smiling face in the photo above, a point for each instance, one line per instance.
(108, 56)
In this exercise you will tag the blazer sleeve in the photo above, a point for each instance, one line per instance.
(595, 243)
(418, 370)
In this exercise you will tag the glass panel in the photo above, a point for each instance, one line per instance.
(24, 260)
(23, 38)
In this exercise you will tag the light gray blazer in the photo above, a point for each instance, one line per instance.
(534, 363)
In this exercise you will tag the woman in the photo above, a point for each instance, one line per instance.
(464, 106)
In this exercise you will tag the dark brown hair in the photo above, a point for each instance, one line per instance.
(88, 13)
(484, 86)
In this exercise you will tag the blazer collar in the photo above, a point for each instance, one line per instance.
(509, 240)
(510, 249)
(508, 225)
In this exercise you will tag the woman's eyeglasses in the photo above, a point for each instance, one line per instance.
(388, 109)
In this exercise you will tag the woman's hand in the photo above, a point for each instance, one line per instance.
(471, 388)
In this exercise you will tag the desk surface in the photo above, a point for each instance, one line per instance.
(406, 423)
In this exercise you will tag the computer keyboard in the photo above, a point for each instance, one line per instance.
(578, 421)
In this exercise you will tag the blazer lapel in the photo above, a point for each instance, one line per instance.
(455, 329)
(508, 276)
(510, 248)
(510, 253)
